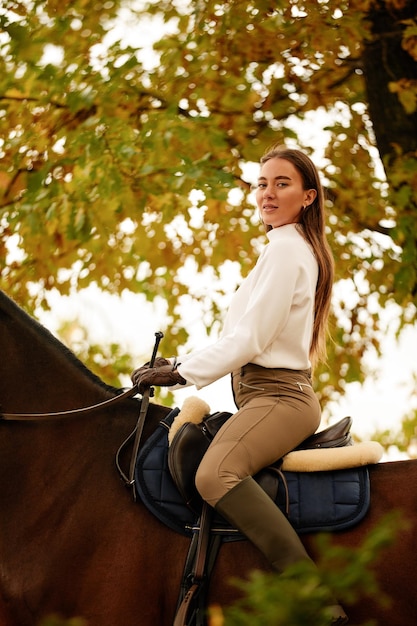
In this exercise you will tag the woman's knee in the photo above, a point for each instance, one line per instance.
(207, 481)
(212, 483)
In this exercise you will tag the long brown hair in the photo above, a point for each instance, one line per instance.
(312, 223)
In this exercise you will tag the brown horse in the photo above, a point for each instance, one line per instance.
(73, 541)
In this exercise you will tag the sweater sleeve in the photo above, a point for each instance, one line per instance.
(258, 313)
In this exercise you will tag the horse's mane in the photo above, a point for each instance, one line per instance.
(10, 307)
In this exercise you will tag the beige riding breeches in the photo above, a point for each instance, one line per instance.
(277, 410)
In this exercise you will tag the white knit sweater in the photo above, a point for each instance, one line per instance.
(270, 318)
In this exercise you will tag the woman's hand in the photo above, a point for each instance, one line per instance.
(163, 376)
(159, 362)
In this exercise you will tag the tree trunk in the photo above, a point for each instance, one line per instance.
(385, 61)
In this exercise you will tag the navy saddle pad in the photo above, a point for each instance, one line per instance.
(318, 501)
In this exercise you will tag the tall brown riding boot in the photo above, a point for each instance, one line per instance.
(249, 509)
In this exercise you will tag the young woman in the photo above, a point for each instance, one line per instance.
(274, 330)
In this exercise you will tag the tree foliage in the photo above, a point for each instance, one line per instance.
(125, 166)
(302, 595)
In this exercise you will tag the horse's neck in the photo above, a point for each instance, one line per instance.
(38, 373)
(53, 462)
(61, 456)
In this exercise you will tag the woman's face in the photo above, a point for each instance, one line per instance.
(280, 195)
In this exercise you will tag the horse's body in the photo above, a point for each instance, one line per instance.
(73, 541)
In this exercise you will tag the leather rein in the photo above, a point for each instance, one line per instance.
(26, 417)
(129, 480)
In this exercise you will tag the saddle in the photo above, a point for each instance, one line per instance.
(192, 439)
(313, 501)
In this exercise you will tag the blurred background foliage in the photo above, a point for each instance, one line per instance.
(126, 133)
(302, 596)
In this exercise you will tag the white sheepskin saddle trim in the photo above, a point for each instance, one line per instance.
(318, 460)
(193, 410)
(324, 459)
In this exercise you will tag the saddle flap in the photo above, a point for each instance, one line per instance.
(184, 457)
(334, 436)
